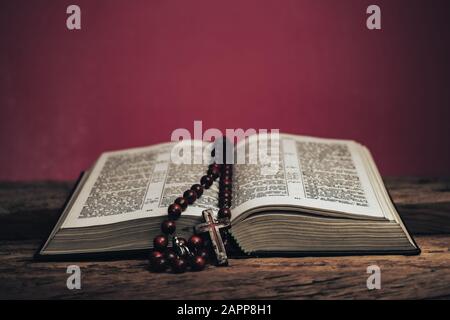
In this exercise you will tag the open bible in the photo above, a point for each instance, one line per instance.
(317, 197)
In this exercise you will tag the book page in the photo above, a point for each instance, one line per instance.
(320, 174)
(136, 183)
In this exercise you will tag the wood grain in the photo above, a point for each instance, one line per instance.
(423, 203)
(424, 276)
(29, 210)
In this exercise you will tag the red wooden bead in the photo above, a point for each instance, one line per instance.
(168, 226)
(179, 265)
(198, 263)
(174, 211)
(214, 172)
(198, 189)
(224, 213)
(158, 264)
(206, 181)
(195, 242)
(227, 172)
(226, 193)
(155, 255)
(215, 166)
(190, 196)
(224, 203)
(203, 252)
(170, 256)
(226, 177)
(226, 184)
(182, 202)
(160, 243)
(224, 187)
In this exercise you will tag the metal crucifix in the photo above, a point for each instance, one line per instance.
(213, 226)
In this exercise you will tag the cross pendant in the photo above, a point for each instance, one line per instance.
(213, 227)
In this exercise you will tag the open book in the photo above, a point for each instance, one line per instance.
(324, 197)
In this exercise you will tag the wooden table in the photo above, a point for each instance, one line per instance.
(28, 211)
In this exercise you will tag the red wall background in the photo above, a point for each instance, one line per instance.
(139, 69)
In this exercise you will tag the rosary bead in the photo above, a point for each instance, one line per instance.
(225, 194)
(160, 243)
(225, 177)
(225, 187)
(227, 172)
(228, 167)
(206, 181)
(212, 178)
(158, 264)
(174, 211)
(182, 202)
(195, 242)
(190, 196)
(198, 263)
(170, 256)
(224, 203)
(224, 213)
(155, 255)
(203, 252)
(179, 265)
(215, 166)
(198, 189)
(226, 184)
(214, 172)
(168, 226)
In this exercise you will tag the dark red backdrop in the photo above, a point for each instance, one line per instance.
(139, 69)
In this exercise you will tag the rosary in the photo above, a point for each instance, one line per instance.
(193, 253)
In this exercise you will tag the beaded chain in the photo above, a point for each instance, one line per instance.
(195, 255)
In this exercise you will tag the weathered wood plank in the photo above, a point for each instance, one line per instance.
(423, 203)
(29, 211)
(424, 276)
